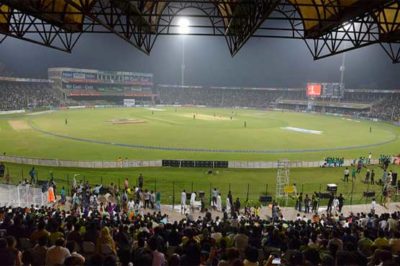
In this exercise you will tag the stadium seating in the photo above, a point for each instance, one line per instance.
(362, 103)
(24, 95)
(144, 239)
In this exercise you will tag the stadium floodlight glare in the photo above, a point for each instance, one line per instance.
(346, 26)
(183, 26)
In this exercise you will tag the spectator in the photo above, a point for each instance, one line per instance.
(27, 258)
(123, 242)
(183, 201)
(306, 204)
(241, 240)
(381, 241)
(78, 259)
(251, 257)
(365, 244)
(11, 247)
(39, 252)
(158, 257)
(140, 181)
(57, 254)
(341, 202)
(105, 239)
(75, 235)
(237, 205)
(92, 233)
(6, 257)
(40, 232)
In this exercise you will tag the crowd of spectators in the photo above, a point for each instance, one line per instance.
(363, 96)
(22, 95)
(386, 109)
(113, 225)
(224, 97)
(48, 236)
(124, 226)
(19, 95)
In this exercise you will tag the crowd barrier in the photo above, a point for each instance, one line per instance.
(157, 163)
(80, 164)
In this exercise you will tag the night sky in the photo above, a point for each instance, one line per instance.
(260, 63)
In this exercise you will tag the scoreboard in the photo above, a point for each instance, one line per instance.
(332, 90)
(325, 90)
(129, 102)
(314, 89)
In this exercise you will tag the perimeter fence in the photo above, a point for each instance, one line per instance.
(170, 190)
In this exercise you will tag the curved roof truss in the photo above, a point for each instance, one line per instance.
(327, 27)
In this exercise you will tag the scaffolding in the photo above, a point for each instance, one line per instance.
(282, 180)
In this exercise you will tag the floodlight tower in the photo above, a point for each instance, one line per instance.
(342, 70)
(183, 29)
(346, 27)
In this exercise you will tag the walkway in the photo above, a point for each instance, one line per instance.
(289, 213)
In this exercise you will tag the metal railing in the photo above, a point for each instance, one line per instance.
(155, 163)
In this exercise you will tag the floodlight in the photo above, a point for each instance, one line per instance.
(347, 25)
(183, 24)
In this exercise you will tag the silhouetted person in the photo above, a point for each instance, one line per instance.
(330, 203)
(140, 181)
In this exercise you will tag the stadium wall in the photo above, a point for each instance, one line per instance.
(155, 163)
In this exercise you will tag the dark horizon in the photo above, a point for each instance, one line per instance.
(260, 63)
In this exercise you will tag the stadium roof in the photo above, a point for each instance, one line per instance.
(327, 27)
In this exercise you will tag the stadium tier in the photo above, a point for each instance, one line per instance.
(380, 104)
(225, 96)
(21, 93)
(69, 86)
(108, 86)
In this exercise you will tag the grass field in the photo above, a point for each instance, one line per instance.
(169, 133)
(214, 134)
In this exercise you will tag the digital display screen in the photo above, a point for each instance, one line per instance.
(314, 89)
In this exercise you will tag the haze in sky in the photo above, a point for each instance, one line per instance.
(260, 63)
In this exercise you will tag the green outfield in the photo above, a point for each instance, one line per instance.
(196, 133)
(192, 133)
